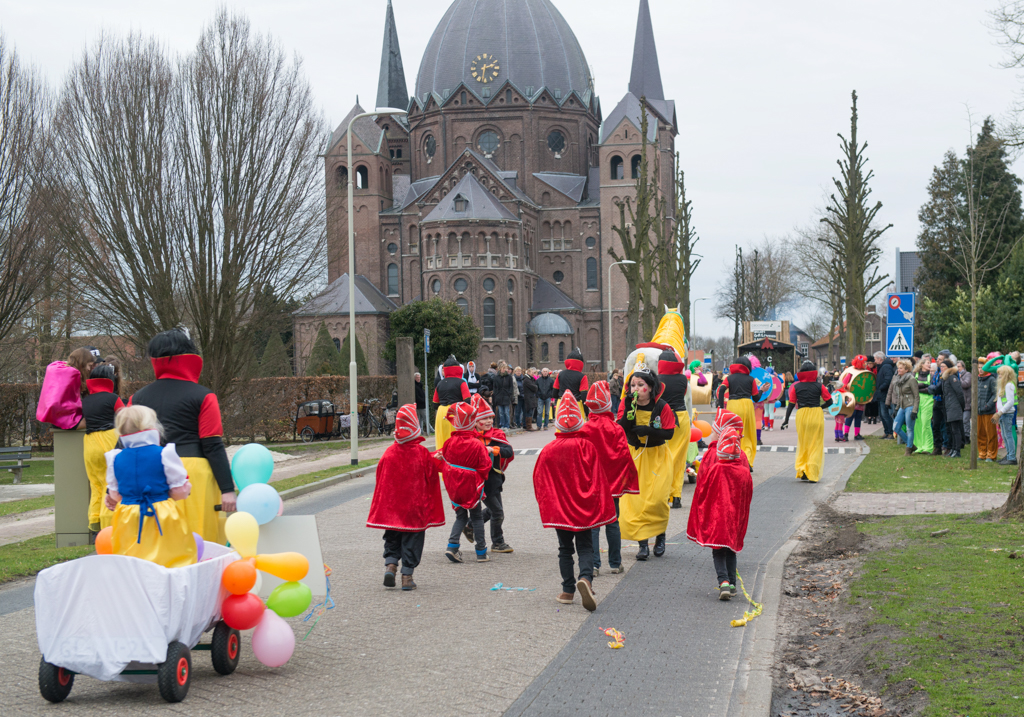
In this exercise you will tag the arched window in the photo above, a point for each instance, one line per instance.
(362, 177)
(463, 304)
(617, 168)
(490, 328)
(544, 355)
(341, 175)
(392, 279)
(591, 273)
(511, 319)
(634, 164)
(337, 344)
(561, 351)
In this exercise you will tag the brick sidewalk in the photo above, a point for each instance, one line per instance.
(917, 503)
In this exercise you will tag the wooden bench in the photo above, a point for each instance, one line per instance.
(20, 454)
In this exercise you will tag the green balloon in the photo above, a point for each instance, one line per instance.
(290, 599)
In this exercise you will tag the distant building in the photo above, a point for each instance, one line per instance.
(908, 263)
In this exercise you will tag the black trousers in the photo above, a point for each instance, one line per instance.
(955, 431)
(407, 547)
(584, 549)
(494, 510)
(940, 436)
(725, 565)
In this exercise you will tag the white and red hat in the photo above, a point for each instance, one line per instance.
(568, 416)
(599, 398)
(724, 419)
(462, 416)
(483, 409)
(407, 424)
(729, 444)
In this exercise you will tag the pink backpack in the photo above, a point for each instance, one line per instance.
(60, 398)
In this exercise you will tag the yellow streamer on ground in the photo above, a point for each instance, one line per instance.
(748, 615)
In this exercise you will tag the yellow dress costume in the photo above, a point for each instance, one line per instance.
(96, 446)
(679, 449)
(744, 408)
(147, 523)
(810, 443)
(442, 427)
(645, 515)
(198, 508)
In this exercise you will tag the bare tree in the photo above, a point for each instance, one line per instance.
(820, 279)
(855, 237)
(763, 282)
(25, 113)
(676, 260)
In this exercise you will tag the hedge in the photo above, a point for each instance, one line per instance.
(260, 407)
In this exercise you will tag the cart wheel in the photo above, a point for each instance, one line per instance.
(307, 435)
(226, 648)
(175, 673)
(55, 683)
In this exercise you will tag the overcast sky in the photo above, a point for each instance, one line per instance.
(761, 89)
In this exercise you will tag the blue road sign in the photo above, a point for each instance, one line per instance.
(426, 341)
(899, 341)
(901, 310)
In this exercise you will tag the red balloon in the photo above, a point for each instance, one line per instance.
(695, 434)
(242, 612)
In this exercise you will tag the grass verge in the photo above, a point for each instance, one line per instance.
(35, 471)
(952, 610)
(11, 507)
(305, 478)
(28, 557)
(306, 449)
(887, 470)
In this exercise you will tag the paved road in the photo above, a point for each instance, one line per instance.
(455, 647)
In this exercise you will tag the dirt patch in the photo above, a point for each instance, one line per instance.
(829, 659)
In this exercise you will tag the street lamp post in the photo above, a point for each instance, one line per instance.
(353, 389)
(693, 318)
(611, 355)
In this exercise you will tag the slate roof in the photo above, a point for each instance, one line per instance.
(549, 325)
(594, 185)
(368, 132)
(645, 76)
(501, 174)
(548, 297)
(530, 41)
(629, 108)
(481, 204)
(416, 190)
(571, 185)
(391, 88)
(333, 300)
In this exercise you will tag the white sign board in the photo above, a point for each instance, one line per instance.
(766, 329)
(298, 534)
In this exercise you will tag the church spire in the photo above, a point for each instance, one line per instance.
(391, 88)
(645, 78)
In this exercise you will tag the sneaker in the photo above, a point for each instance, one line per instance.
(724, 593)
(616, 570)
(586, 592)
(454, 554)
(408, 583)
(597, 571)
(501, 547)
(732, 589)
(483, 558)
(389, 575)
(858, 437)
(644, 552)
(1007, 462)
(565, 598)
(677, 502)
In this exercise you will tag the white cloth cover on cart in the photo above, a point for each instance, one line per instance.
(96, 614)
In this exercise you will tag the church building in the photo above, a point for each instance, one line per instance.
(498, 190)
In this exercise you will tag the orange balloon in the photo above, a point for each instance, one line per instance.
(105, 541)
(290, 567)
(704, 426)
(239, 577)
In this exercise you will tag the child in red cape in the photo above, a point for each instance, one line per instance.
(406, 499)
(721, 501)
(574, 498)
(613, 457)
(466, 467)
(499, 450)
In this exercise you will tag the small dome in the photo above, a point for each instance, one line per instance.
(549, 325)
(484, 43)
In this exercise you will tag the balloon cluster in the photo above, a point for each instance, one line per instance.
(273, 640)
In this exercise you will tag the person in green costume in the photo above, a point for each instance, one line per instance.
(923, 428)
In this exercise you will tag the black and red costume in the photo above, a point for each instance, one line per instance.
(572, 378)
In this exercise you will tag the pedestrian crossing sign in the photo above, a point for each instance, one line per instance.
(899, 341)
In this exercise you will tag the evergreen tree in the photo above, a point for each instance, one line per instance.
(451, 331)
(275, 362)
(323, 359)
(344, 356)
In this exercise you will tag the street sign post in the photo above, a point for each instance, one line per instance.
(426, 374)
(900, 310)
(899, 341)
(899, 330)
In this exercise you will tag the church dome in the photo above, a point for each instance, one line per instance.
(484, 43)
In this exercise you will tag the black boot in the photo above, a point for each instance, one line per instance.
(677, 502)
(644, 551)
(659, 546)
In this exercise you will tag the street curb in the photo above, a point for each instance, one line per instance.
(755, 680)
(325, 483)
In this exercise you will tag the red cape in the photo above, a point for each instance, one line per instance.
(466, 466)
(573, 494)
(609, 440)
(407, 496)
(721, 502)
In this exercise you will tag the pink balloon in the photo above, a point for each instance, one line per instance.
(280, 510)
(273, 641)
(199, 546)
